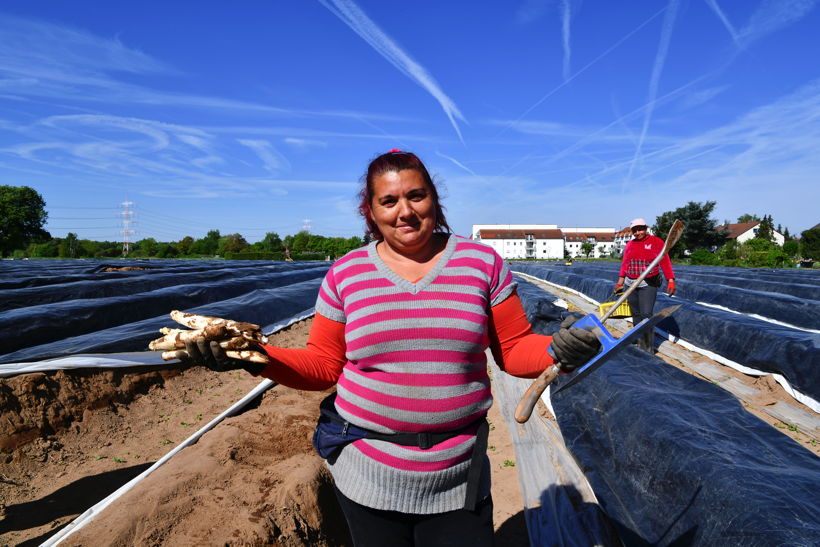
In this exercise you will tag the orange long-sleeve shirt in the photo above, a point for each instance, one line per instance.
(516, 349)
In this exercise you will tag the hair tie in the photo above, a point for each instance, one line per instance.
(395, 151)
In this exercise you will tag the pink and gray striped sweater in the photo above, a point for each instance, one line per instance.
(415, 362)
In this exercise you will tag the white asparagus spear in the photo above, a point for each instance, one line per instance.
(176, 338)
(195, 321)
(245, 355)
(248, 355)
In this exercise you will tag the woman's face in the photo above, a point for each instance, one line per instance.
(402, 208)
(639, 232)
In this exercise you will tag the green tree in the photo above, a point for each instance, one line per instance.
(729, 251)
(271, 243)
(90, 249)
(22, 217)
(765, 230)
(700, 233)
(49, 249)
(791, 248)
(146, 247)
(810, 243)
(702, 257)
(184, 245)
(748, 218)
(587, 248)
(762, 253)
(300, 242)
(233, 243)
(69, 246)
(207, 245)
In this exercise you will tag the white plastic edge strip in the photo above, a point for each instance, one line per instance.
(103, 361)
(89, 514)
(759, 317)
(801, 397)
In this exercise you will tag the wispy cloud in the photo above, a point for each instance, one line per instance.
(530, 10)
(657, 69)
(703, 96)
(773, 15)
(770, 145)
(363, 26)
(304, 144)
(41, 59)
(273, 160)
(27, 50)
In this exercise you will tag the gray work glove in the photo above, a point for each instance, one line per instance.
(573, 347)
(212, 356)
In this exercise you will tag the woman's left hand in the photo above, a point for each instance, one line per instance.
(573, 347)
(670, 287)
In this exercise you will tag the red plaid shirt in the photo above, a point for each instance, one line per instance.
(638, 255)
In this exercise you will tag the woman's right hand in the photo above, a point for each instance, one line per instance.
(207, 354)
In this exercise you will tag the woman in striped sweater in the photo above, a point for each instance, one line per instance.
(401, 330)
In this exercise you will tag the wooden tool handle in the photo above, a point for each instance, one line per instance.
(524, 409)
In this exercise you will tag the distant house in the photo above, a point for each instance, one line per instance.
(744, 231)
(622, 237)
(602, 239)
(515, 241)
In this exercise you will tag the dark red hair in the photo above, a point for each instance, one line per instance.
(395, 161)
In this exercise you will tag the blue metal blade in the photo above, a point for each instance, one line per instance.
(610, 346)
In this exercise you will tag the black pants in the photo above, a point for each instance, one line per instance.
(642, 302)
(375, 527)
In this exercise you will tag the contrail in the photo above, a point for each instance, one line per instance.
(458, 163)
(566, 11)
(660, 59)
(589, 64)
(723, 19)
(361, 24)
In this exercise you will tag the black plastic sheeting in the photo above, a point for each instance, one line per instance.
(789, 296)
(757, 344)
(24, 327)
(265, 307)
(101, 285)
(106, 311)
(675, 460)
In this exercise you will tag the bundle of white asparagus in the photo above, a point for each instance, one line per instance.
(235, 337)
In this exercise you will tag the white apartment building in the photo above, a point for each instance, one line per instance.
(602, 239)
(548, 241)
(519, 241)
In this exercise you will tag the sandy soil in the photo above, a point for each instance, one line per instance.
(68, 439)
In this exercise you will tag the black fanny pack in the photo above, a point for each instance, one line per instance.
(334, 432)
(653, 280)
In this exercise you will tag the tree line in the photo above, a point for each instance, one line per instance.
(704, 241)
(23, 215)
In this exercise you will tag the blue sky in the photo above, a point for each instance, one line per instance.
(261, 116)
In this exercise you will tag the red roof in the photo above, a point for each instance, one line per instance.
(734, 230)
(600, 237)
(520, 234)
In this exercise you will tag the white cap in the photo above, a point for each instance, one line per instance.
(637, 222)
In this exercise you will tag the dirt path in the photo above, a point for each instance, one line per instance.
(71, 438)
